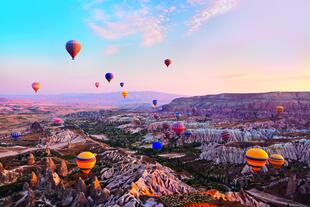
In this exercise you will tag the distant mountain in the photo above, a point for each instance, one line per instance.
(106, 99)
(238, 103)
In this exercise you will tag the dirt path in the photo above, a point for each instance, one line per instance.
(272, 199)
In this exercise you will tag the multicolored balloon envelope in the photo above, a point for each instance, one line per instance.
(167, 62)
(86, 161)
(15, 135)
(157, 145)
(178, 128)
(256, 158)
(276, 160)
(73, 47)
(36, 86)
(109, 77)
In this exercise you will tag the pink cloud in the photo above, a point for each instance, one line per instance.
(129, 23)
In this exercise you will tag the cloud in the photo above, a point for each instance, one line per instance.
(218, 7)
(112, 50)
(125, 22)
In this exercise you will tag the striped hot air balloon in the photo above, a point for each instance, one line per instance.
(276, 160)
(73, 47)
(86, 161)
(279, 109)
(178, 128)
(256, 158)
(225, 136)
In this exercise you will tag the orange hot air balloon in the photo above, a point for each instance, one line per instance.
(36, 86)
(279, 109)
(86, 161)
(124, 94)
(256, 158)
(167, 62)
(97, 84)
(276, 160)
(73, 47)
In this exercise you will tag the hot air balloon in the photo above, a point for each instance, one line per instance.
(15, 135)
(178, 128)
(154, 102)
(157, 145)
(276, 160)
(36, 86)
(187, 133)
(167, 62)
(256, 158)
(124, 94)
(73, 47)
(279, 109)
(57, 121)
(177, 115)
(97, 84)
(225, 136)
(109, 76)
(122, 84)
(86, 161)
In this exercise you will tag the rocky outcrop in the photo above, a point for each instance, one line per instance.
(34, 179)
(221, 154)
(63, 170)
(31, 159)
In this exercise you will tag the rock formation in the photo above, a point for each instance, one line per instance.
(31, 159)
(63, 170)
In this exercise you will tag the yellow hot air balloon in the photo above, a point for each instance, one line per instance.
(276, 160)
(86, 161)
(279, 109)
(256, 158)
(124, 94)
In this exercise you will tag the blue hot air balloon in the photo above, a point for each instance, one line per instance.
(187, 133)
(122, 84)
(154, 102)
(109, 76)
(177, 115)
(15, 135)
(157, 145)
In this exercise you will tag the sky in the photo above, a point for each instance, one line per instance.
(216, 46)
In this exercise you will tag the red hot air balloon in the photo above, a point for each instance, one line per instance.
(36, 86)
(57, 121)
(73, 47)
(97, 84)
(167, 62)
(178, 128)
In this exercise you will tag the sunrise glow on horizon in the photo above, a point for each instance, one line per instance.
(216, 46)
